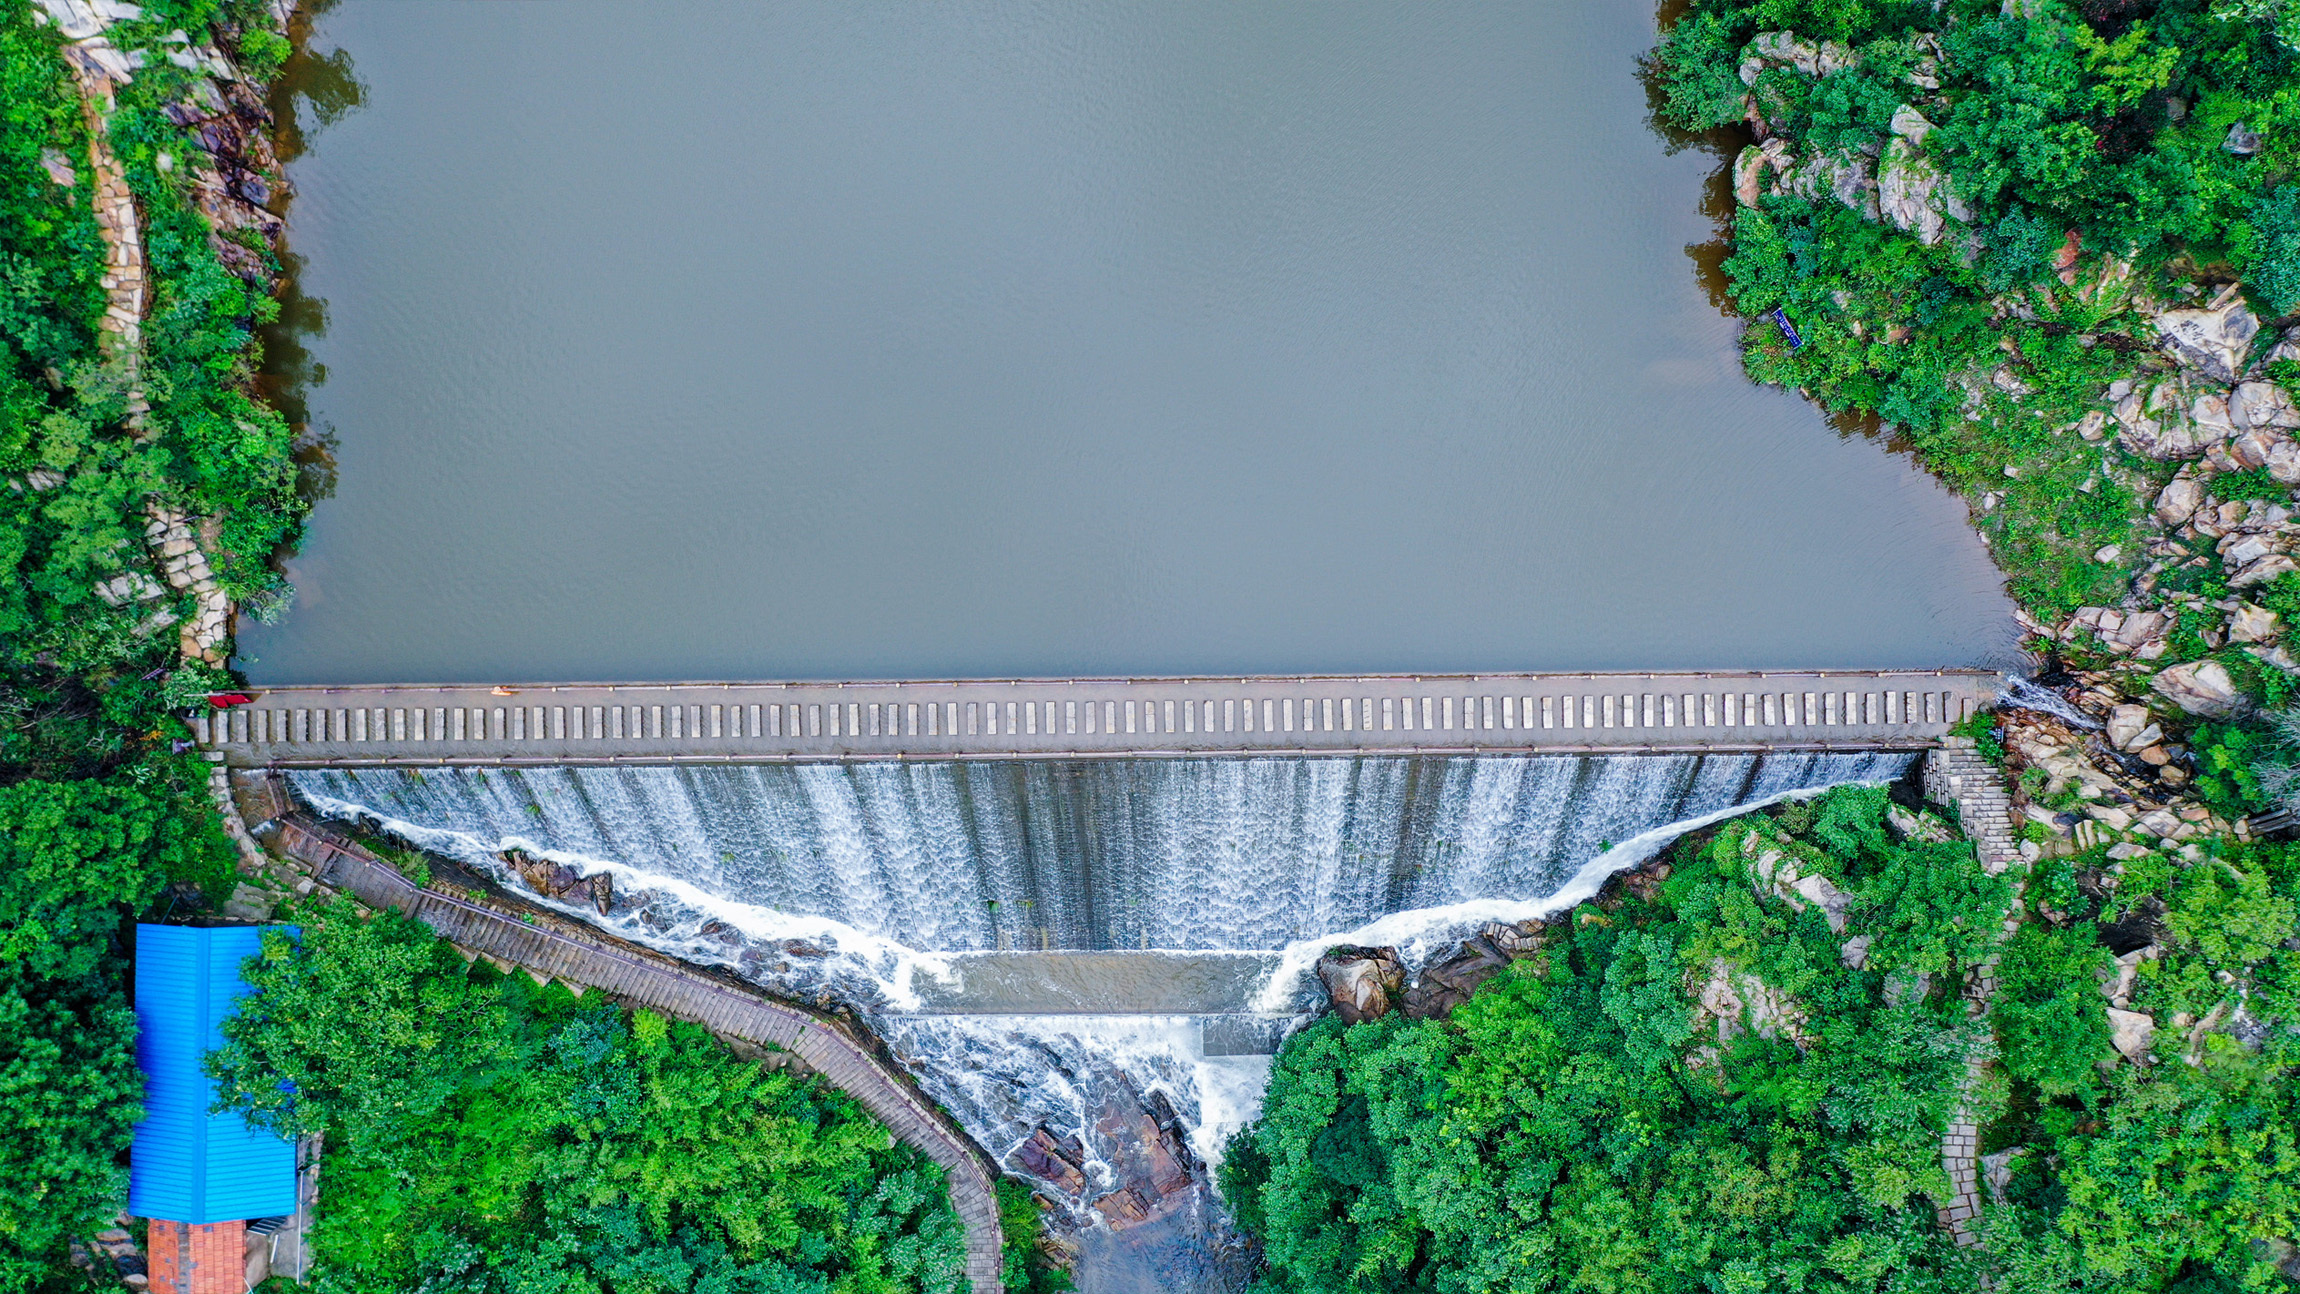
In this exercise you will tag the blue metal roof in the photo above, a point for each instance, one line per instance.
(189, 1165)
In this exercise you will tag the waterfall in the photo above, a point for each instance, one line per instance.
(1112, 854)
(865, 883)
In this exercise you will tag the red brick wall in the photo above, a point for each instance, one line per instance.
(206, 1259)
(164, 1250)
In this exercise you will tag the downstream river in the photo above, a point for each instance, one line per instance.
(683, 341)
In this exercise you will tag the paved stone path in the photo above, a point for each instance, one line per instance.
(1085, 718)
(1956, 774)
(664, 987)
(98, 68)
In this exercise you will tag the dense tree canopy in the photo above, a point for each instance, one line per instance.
(96, 813)
(1587, 1124)
(77, 859)
(485, 1134)
(69, 1093)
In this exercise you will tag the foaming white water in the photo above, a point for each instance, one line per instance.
(673, 914)
(1422, 934)
(1007, 1076)
(1186, 854)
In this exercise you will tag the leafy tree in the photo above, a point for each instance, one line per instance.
(1570, 1128)
(75, 855)
(1024, 1270)
(1533, 1143)
(488, 1135)
(2273, 248)
(69, 1093)
(2048, 1012)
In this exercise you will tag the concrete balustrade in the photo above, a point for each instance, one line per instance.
(1089, 718)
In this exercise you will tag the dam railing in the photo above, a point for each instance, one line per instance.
(1088, 718)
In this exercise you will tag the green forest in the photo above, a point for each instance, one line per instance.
(484, 1134)
(1710, 1087)
(101, 820)
(1603, 1119)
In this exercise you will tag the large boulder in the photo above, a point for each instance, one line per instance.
(1783, 49)
(2287, 348)
(2262, 405)
(1450, 983)
(1914, 193)
(1362, 983)
(1911, 125)
(2178, 501)
(2134, 631)
(2157, 421)
(2131, 1032)
(2201, 688)
(1749, 176)
(2262, 569)
(1732, 1000)
(1823, 893)
(1123, 1209)
(2269, 447)
(1168, 1158)
(1516, 939)
(550, 879)
(2244, 548)
(1922, 826)
(2212, 341)
(2209, 414)
(2125, 725)
(1844, 176)
(2252, 448)
(2253, 624)
(1749, 169)
(2284, 461)
(2106, 286)
(1054, 1158)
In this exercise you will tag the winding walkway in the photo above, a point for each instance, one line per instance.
(1956, 774)
(685, 995)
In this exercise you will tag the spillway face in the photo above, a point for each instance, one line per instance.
(1116, 854)
(875, 885)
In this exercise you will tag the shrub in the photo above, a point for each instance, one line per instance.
(2274, 253)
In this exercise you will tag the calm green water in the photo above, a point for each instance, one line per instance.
(740, 340)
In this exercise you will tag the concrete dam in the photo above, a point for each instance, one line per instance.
(1053, 898)
(1095, 718)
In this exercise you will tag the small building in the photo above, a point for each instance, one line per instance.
(199, 1178)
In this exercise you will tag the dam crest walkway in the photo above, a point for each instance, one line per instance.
(1086, 718)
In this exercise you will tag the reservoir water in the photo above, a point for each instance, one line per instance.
(825, 340)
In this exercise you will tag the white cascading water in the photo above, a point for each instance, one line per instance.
(875, 885)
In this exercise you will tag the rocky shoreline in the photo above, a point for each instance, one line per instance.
(232, 173)
(2197, 427)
